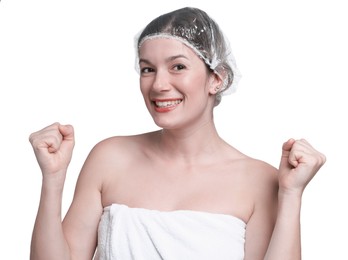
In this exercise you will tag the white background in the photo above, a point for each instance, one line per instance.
(72, 61)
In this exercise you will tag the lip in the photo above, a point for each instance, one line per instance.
(166, 108)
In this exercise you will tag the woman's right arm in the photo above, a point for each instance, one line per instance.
(52, 239)
(53, 148)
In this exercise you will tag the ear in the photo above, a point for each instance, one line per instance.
(215, 83)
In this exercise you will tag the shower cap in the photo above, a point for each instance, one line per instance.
(194, 28)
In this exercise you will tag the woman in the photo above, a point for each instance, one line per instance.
(181, 192)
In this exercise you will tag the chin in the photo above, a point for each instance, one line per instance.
(165, 124)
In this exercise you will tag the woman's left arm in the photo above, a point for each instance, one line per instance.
(298, 165)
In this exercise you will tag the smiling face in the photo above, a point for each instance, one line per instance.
(177, 86)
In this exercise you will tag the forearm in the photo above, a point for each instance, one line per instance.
(48, 241)
(285, 243)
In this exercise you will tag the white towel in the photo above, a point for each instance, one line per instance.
(141, 234)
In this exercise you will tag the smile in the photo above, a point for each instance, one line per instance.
(167, 103)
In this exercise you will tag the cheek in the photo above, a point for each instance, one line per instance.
(144, 85)
(199, 82)
(202, 76)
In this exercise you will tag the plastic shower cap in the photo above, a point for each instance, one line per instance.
(197, 30)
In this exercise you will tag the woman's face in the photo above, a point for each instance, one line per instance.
(175, 83)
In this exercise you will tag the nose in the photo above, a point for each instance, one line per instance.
(161, 81)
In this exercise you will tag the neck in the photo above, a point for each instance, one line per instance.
(190, 145)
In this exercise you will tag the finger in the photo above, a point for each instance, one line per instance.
(308, 148)
(303, 144)
(299, 152)
(53, 143)
(48, 138)
(53, 139)
(303, 153)
(67, 132)
(286, 149)
(296, 156)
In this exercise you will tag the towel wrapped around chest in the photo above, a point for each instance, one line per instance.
(126, 233)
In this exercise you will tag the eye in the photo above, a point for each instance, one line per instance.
(146, 70)
(179, 67)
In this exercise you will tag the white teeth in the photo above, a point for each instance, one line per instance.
(167, 103)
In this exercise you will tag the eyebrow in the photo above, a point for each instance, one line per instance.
(171, 58)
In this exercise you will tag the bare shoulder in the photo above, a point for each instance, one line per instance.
(121, 148)
(256, 178)
(254, 171)
(259, 180)
(263, 178)
(261, 170)
(115, 156)
(110, 159)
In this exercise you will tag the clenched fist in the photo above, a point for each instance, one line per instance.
(53, 147)
(299, 164)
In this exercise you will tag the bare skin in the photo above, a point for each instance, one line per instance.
(184, 166)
